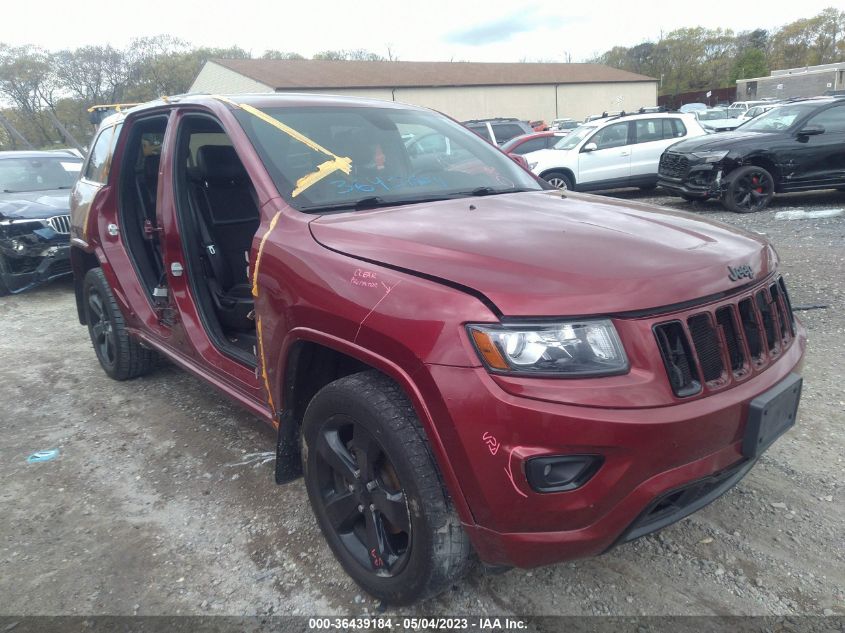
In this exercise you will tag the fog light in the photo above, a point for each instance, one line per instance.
(562, 472)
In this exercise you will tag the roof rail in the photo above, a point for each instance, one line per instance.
(96, 113)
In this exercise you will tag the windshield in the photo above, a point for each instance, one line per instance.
(38, 174)
(712, 115)
(778, 119)
(337, 158)
(574, 137)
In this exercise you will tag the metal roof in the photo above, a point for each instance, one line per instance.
(282, 74)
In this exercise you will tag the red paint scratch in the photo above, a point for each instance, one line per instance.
(509, 473)
(384, 296)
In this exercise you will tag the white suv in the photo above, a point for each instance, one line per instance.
(617, 151)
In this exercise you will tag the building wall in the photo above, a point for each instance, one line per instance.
(807, 84)
(528, 102)
(577, 101)
(523, 102)
(215, 79)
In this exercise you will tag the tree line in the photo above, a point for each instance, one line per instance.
(44, 94)
(691, 59)
(39, 88)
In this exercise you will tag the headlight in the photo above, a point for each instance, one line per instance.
(531, 166)
(710, 157)
(572, 348)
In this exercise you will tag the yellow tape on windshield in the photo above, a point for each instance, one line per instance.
(337, 163)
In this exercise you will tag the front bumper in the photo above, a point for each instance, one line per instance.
(33, 259)
(699, 180)
(648, 452)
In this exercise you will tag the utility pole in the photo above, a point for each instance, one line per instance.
(14, 133)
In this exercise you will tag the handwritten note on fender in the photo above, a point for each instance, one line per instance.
(493, 446)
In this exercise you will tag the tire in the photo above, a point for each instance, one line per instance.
(4, 289)
(750, 190)
(559, 179)
(120, 356)
(399, 537)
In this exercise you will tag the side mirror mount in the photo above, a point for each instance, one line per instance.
(590, 147)
(811, 130)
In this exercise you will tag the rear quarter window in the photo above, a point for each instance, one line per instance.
(99, 158)
(674, 128)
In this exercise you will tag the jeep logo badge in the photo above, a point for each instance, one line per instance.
(735, 273)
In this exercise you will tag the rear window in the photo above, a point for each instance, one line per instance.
(481, 130)
(506, 131)
(531, 145)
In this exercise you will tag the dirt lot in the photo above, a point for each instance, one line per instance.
(158, 504)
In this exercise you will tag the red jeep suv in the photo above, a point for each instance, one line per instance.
(456, 358)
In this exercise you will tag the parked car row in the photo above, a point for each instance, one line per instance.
(617, 151)
(792, 146)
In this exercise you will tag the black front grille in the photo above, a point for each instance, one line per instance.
(736, 354)
(677, 358)
(748, 317)
(706, 345)
(768, 317)
(757, 328)
(673, 165)
(681, 502)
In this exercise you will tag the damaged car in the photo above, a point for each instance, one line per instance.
(462, 362)
(798, 146)
(34, 217)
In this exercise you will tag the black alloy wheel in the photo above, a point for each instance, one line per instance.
(362, 497)
(101, 329)
(376, 490)
(120, 355)
(751, 189)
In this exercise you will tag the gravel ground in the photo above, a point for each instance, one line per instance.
(161, 502)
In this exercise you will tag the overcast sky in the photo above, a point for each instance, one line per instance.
(433, 30)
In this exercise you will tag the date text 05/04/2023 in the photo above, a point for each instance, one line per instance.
(417, 624)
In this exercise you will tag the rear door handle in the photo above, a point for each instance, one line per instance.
(626, 153)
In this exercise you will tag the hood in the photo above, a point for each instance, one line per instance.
(721, 124)
(723, 140)
(537, 254)
(34, 205)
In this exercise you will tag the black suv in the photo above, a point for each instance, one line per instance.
(499, 131)
(797, 146)
(35, 217)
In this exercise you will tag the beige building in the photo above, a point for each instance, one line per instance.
(463, 90)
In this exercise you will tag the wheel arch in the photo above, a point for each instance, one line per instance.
(560, 170)
(310, 360)
(81, 262)
(767, 163)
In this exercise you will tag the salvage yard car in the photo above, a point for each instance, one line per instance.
(617, 151)
(797, 146)
(461, 361)
(34, 217)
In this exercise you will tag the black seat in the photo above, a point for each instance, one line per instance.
(226, 213)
